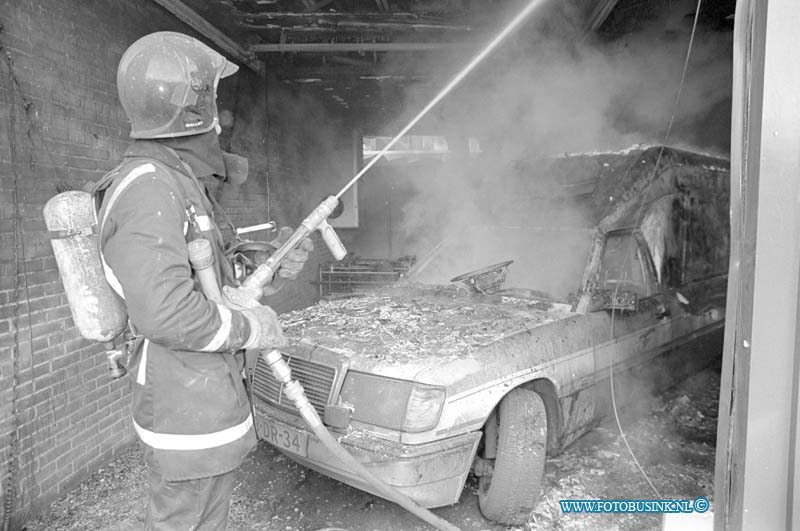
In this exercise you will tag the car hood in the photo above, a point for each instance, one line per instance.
(402, 331)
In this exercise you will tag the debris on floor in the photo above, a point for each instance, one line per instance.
(672, 435)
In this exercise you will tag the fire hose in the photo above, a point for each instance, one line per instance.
(248, 294)
(201, 258)
(294, 391)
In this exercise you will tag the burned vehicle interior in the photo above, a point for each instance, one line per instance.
(670, 242)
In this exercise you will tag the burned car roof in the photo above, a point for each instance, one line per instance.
(609, 187)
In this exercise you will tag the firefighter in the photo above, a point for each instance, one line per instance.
(190, 406)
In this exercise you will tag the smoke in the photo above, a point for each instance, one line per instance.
(553, 96)
(541, 96)
(310, 144)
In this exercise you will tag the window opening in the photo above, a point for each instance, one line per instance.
(623, 267)
(412, 147)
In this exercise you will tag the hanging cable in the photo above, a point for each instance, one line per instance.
(12, 465)
(15, 92)
(638, 219)
(616, 413)
(267, 128)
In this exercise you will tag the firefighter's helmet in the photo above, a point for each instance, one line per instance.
(167, 84)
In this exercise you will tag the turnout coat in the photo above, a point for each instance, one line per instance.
(190, 406)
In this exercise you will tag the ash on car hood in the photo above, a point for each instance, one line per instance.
(415, 328)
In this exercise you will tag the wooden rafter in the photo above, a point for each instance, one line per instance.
(300, 17)
(355, 27)
(599, 15)
(312, 6)
(338, 47)
(208, 30)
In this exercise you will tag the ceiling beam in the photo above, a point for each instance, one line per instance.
(345, 21)
(316, 6)
(208, 30)
(342, 76)
(599, 15)
(354, 26)
(303, 17)
(338, 47)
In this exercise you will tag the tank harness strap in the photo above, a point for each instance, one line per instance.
(132, 339)
(93, 188)
(105, 181)
(216, 206)
(71, 233)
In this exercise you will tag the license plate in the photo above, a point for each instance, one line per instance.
(283, 436)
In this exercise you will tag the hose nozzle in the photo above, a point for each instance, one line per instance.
(292, 388)
(280, 369)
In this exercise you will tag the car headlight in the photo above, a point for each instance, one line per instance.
(393, 403)
(424, 406)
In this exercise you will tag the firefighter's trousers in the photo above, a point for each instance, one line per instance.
(196, 504)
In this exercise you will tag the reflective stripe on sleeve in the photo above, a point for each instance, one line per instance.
(203, 441)
(140, 374)
(223, 331)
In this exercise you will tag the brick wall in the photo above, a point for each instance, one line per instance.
(61, 417)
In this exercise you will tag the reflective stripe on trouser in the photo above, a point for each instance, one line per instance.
(203, 441)
(196, 504)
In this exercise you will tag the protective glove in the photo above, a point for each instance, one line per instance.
(295, 259)
(265, 329)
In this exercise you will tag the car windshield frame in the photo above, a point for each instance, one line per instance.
(586, 236)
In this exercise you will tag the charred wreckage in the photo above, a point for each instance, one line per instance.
(449, 372)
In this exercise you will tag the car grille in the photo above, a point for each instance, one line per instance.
(317, 380)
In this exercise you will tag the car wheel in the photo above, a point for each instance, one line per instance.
(509, 493)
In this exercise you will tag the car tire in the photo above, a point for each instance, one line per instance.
(510, 492)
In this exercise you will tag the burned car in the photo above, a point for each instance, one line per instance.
(499, 347)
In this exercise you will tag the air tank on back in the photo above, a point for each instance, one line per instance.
(99, 313)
